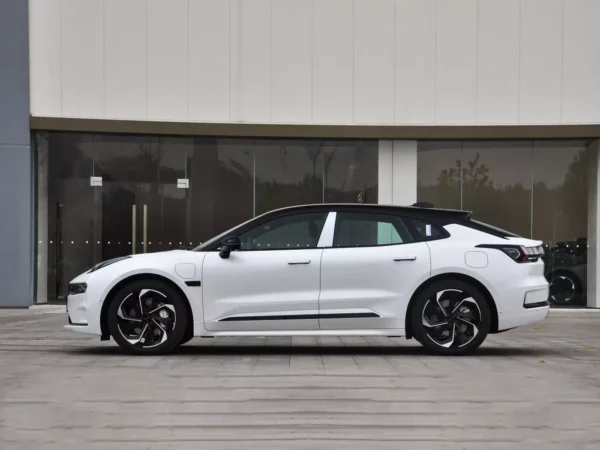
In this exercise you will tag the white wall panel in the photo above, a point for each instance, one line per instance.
(44, 54)
(82, 62)
(125, 58)
(292, 61)
(209, 60)
(540, 61)
(456, 63)
(333, 64)
(498, 62)
(581, 62)
(415, 61)
(167, 64)
(374, 24)
(254, 61)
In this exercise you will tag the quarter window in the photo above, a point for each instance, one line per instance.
(285, 233)
(370, 230)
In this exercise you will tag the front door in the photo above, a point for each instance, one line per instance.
(370, 273)
(271, 283)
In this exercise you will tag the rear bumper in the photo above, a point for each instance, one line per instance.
(532, 306)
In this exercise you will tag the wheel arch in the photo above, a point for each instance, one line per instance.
(452, 276)
(141, 276)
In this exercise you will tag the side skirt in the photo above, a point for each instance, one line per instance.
(386, 333)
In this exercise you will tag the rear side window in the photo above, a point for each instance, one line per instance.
(424, 231)
(370, 230)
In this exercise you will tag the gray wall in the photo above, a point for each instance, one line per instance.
(17, 245)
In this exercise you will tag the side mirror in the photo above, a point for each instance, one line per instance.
(229, 245)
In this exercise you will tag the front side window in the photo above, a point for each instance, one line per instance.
(370, 230)
(285, 233)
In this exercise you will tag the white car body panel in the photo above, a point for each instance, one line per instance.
(367, 289)
(260, 283)
(378, 279)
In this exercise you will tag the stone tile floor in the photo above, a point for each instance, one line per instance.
(537, 387)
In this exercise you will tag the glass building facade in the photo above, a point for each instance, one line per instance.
(102, 196)
(108, 195)
(536, 189)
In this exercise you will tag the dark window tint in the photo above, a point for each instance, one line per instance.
(424, 230)
(286, 233)
(370, 230)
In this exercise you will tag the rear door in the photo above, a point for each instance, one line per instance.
(370, 273)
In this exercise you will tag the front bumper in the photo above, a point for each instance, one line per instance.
(83, 314)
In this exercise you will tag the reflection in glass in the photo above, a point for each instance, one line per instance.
(560, 217)
(438, 173)
(497, 183)
(350, 171)
(287, 173)
(71, 213)
(537, 189)
(139, 206)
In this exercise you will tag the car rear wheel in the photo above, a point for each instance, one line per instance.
(147, 317)
(565, 289)
(451, 317)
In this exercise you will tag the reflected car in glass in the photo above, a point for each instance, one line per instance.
(566, 271)
(322, 270)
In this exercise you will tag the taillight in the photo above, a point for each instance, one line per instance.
(518, 253)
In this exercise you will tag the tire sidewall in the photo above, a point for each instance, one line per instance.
(578, 288)
(420, 331)
(180, 324)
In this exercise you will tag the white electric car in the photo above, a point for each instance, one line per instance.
(321, 270)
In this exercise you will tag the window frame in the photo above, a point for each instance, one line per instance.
(376, 214)
(262, 223)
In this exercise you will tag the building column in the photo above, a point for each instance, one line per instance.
(17, 240)
(397, 172)
(593, 254)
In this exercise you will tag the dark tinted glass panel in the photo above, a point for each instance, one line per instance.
(560, 214)
(288, 173)
(286, 233)
(369, 230)
(350, 171)
(438, 174)
(497, 183)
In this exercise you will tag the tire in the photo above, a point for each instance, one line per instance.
(147, 317)
(458, 318)
(565, 289)
(187, 337)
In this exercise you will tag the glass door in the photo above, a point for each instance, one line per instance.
(144, 203)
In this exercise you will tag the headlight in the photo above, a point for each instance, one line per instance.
(77, 288)
(107, 263)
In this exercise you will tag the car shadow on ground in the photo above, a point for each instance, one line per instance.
(191, 350)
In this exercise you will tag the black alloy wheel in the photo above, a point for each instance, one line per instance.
(147, 317)
(565, 289)
(451, 318)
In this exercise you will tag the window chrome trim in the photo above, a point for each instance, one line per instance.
(326, 238)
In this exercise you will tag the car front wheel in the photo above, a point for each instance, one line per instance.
(147, 317)
(451, 317)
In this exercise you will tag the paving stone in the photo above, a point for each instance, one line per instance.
(536, 387)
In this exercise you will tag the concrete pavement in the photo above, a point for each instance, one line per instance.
(533, 388)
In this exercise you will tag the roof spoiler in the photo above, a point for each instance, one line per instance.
(422, 205)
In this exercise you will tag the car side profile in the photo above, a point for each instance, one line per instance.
(330, 269)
